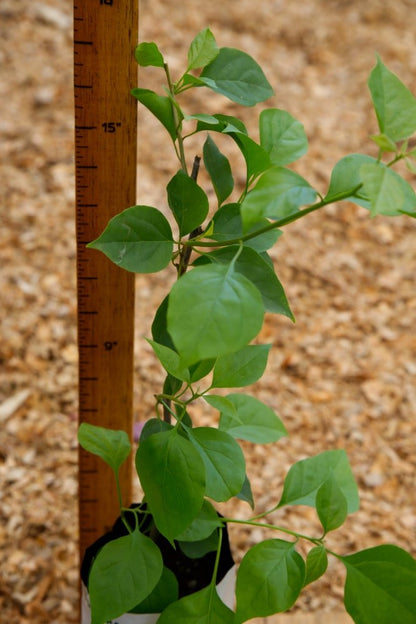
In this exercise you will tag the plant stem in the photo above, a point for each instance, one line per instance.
(265, 525)
(178, 121)
(217, 559)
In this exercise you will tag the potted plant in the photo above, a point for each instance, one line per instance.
(204, 336)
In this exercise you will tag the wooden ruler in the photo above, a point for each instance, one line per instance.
(105, 35)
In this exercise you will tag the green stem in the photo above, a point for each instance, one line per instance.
(265, 525)
(277, 224)
(217, 560)
(178, 122)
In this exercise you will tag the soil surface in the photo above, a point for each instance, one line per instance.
(343, 376)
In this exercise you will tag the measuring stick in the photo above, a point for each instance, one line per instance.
(105, 35)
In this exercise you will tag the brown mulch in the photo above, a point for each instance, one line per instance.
(343, 376)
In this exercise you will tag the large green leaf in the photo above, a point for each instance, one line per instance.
(269, 579)
(202, 50)
(187, 201)
(241, 368)
(222, 308)
(236, 75)
(124, 573)
(246, 418)
(172, 475)
(381, 586)
(160, 106)
(219, 170)
(306, 477)
(111, 445)
(139, 239)
(224, 462)
(202, 607)
(278, 194)
(282, 136)
(255, 268)
(394, 104)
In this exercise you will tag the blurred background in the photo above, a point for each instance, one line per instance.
(343, 376)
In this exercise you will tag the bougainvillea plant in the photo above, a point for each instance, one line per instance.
(204, 336)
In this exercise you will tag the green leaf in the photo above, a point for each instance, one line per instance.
(382, 186)
(246, 418)
(269, 579)
(228, 225)
(170, 361)
(282, 136)
(187, 201)
(203, 526)
(224, 462)
(384, 142)
(139, 239)
(257, 159)
(278, 194)
(148, 54)
(394, 104)
(246, 494)
(346, 178)
(316, 564)
(201, 369)
(112, 446)
(331, 505)
(222, 308)
(159, 326)
(306, 477)
(223, 123)
(196, 550)
(241, 368)
(203, 50)
(172, 475)
(256, 269)
(123, 574)
(380, 586)
(237, 76)
(160, 106)
(202, 607)
(152, 426)
(165, 592)
(219, 170)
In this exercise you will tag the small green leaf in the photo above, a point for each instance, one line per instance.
(172, 475)
(159, 326)
(148, 54)
(384, 142)
(228, 225)
(139, 239)
(223, 311)
(170, 361)
(269, 579)
(203, 50)
(187, 201)
(316, 564)
(278, 194)
(346, 178)
(237, 76)
(165, 592)
(160, 106)
(219, 170)
(224, 462)
(224, 123)
(249, 419)
(203, 526)
(152, 426)
(201, 607)
(112, 446)
(282, 136)
(246, 494)
(380, 586)
(306, 477)
(257, 159)
(331, 505)
(241, 368)
(196, 550)
(394, 104)
(124, 573)
(382, 187)
(201, 369)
